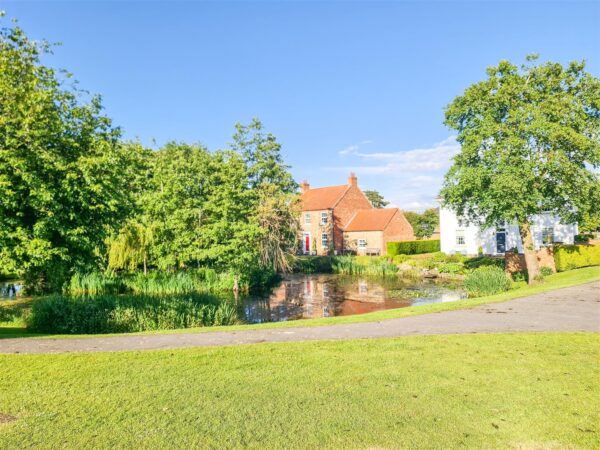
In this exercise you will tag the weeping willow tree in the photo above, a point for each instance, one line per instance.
(131, 247)
(277, 216)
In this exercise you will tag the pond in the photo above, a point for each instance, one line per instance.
(10, 289)
(300, 296)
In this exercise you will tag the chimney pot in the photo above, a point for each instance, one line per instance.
(352, 179)
(304, 186)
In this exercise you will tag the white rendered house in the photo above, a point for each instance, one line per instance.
(457, 236)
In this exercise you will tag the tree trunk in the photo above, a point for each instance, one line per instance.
(145, 264)
(533, 269)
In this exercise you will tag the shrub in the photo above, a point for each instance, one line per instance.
(545, 271)
(127, 313)
(486, 281)
(399, 259)
(313, 264)
(484, 261)
(355, 265)
(520, 276)
(451, 268)
(568, 257)
(412, 247)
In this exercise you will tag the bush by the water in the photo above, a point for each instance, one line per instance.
(486, 281)
(313, 264)
(569, 257)
(484, 261)
(367, 265)
(413, 247)
(155, 283)
(127, 313)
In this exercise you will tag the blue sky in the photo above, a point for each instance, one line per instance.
(343, 85)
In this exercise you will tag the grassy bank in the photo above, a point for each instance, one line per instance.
(16, 328)
(483, 391)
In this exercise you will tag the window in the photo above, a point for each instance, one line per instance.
(460, 237)
(547, 235)
(307, 218)
(324, 218)
(324, 240)
(362, 243)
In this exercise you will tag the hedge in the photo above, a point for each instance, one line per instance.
(567, 257)
(412, 247)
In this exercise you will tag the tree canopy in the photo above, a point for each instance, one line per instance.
(65, 178)
(529, 140)
(75, 197)
(425, 223)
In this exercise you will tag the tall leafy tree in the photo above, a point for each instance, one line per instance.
(65, 181)
(274, 192)
(529, 140)
(376, 199)
(424, 223)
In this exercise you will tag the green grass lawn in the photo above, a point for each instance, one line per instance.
(16, 328)
(477, 391)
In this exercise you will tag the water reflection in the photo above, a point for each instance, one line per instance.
(10, 289)
(312, 296)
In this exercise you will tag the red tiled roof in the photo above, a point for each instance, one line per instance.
(371, 219)
(322, 198)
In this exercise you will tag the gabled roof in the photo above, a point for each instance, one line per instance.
(371, 219)
(323, 198)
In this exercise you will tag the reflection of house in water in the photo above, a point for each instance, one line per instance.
(312, 296)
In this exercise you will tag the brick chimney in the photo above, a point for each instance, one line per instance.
(352, 180)
(304, 186)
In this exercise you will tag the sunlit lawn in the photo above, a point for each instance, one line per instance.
(477, 391)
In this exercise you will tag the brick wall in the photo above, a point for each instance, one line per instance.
(352, 201)
(374, 240)
(399, 229)
(316, 229)
(516, 262)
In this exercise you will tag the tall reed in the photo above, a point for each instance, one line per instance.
(128, 313)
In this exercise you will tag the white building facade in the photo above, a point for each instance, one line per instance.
(457, 236)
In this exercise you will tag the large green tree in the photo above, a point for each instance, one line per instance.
(425, 223)
(529, 140)
(276, 202)
(65, 179)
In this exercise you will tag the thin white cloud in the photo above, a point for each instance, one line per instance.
(354, 148)
(409, 179)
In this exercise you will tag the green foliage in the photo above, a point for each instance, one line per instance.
(313, 264)
(156, 282)
(546, 271)
(423, 224)
(529, 144)
(399, 259)
(65, 179)
(355, 265)
(412, 247)
(95, 283)
(528, 140)
(568, 257)
(519, 276)
(376, 199)
(451, 268)
(126, 313)
(486, 281)
(484, 261)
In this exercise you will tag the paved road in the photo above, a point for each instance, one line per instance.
(570, 309)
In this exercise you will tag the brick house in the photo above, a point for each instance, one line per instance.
(327, 211)
(369, 230)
